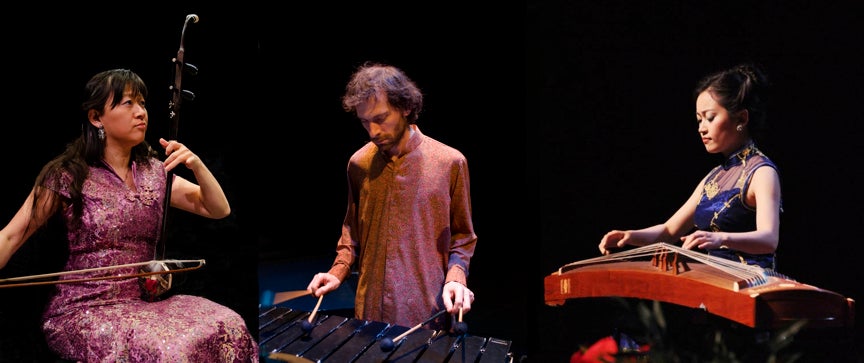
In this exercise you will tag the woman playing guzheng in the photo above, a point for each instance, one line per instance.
(734, 212)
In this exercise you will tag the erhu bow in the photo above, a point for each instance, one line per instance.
(182, 265)
(155, 284)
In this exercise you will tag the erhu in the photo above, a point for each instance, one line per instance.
(155, 276)
(157, 284)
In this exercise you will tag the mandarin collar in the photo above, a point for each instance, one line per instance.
(413, 140)
(749, 149)
(413, 143)
(132, 165)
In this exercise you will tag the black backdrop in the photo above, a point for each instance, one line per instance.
(599, 135)
(613, 142)
(267, 119)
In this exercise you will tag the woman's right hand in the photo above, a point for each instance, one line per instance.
(613, 239)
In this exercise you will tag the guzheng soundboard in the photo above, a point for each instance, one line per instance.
(746, 294)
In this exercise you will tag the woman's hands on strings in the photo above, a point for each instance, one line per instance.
(616, 239)
(178, 154)
(704, 240)
(613, 240)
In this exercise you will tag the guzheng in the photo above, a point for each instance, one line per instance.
(340, 340)
(749, 295)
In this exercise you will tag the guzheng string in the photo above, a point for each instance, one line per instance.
(751, 275)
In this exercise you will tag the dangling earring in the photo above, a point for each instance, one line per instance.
(739, 128)
(101, 134)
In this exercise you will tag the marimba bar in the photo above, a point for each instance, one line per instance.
(339, 340)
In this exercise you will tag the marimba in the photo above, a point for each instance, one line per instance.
(343, 340)
(749, 295)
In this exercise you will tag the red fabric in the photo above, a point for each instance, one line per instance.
(603, 350)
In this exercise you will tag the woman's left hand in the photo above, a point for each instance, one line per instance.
(177, 154)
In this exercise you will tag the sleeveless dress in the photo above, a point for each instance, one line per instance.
(107, 320)
(722, 206)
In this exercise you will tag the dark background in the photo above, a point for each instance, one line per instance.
(267, 119)
(613, 141)
(576, 118)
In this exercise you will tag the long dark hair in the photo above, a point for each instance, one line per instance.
(88, 149)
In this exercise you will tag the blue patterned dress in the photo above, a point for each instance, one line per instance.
(723, 208)
(107, 320)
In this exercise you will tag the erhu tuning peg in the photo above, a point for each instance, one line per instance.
(187, 95)
(191, 69)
